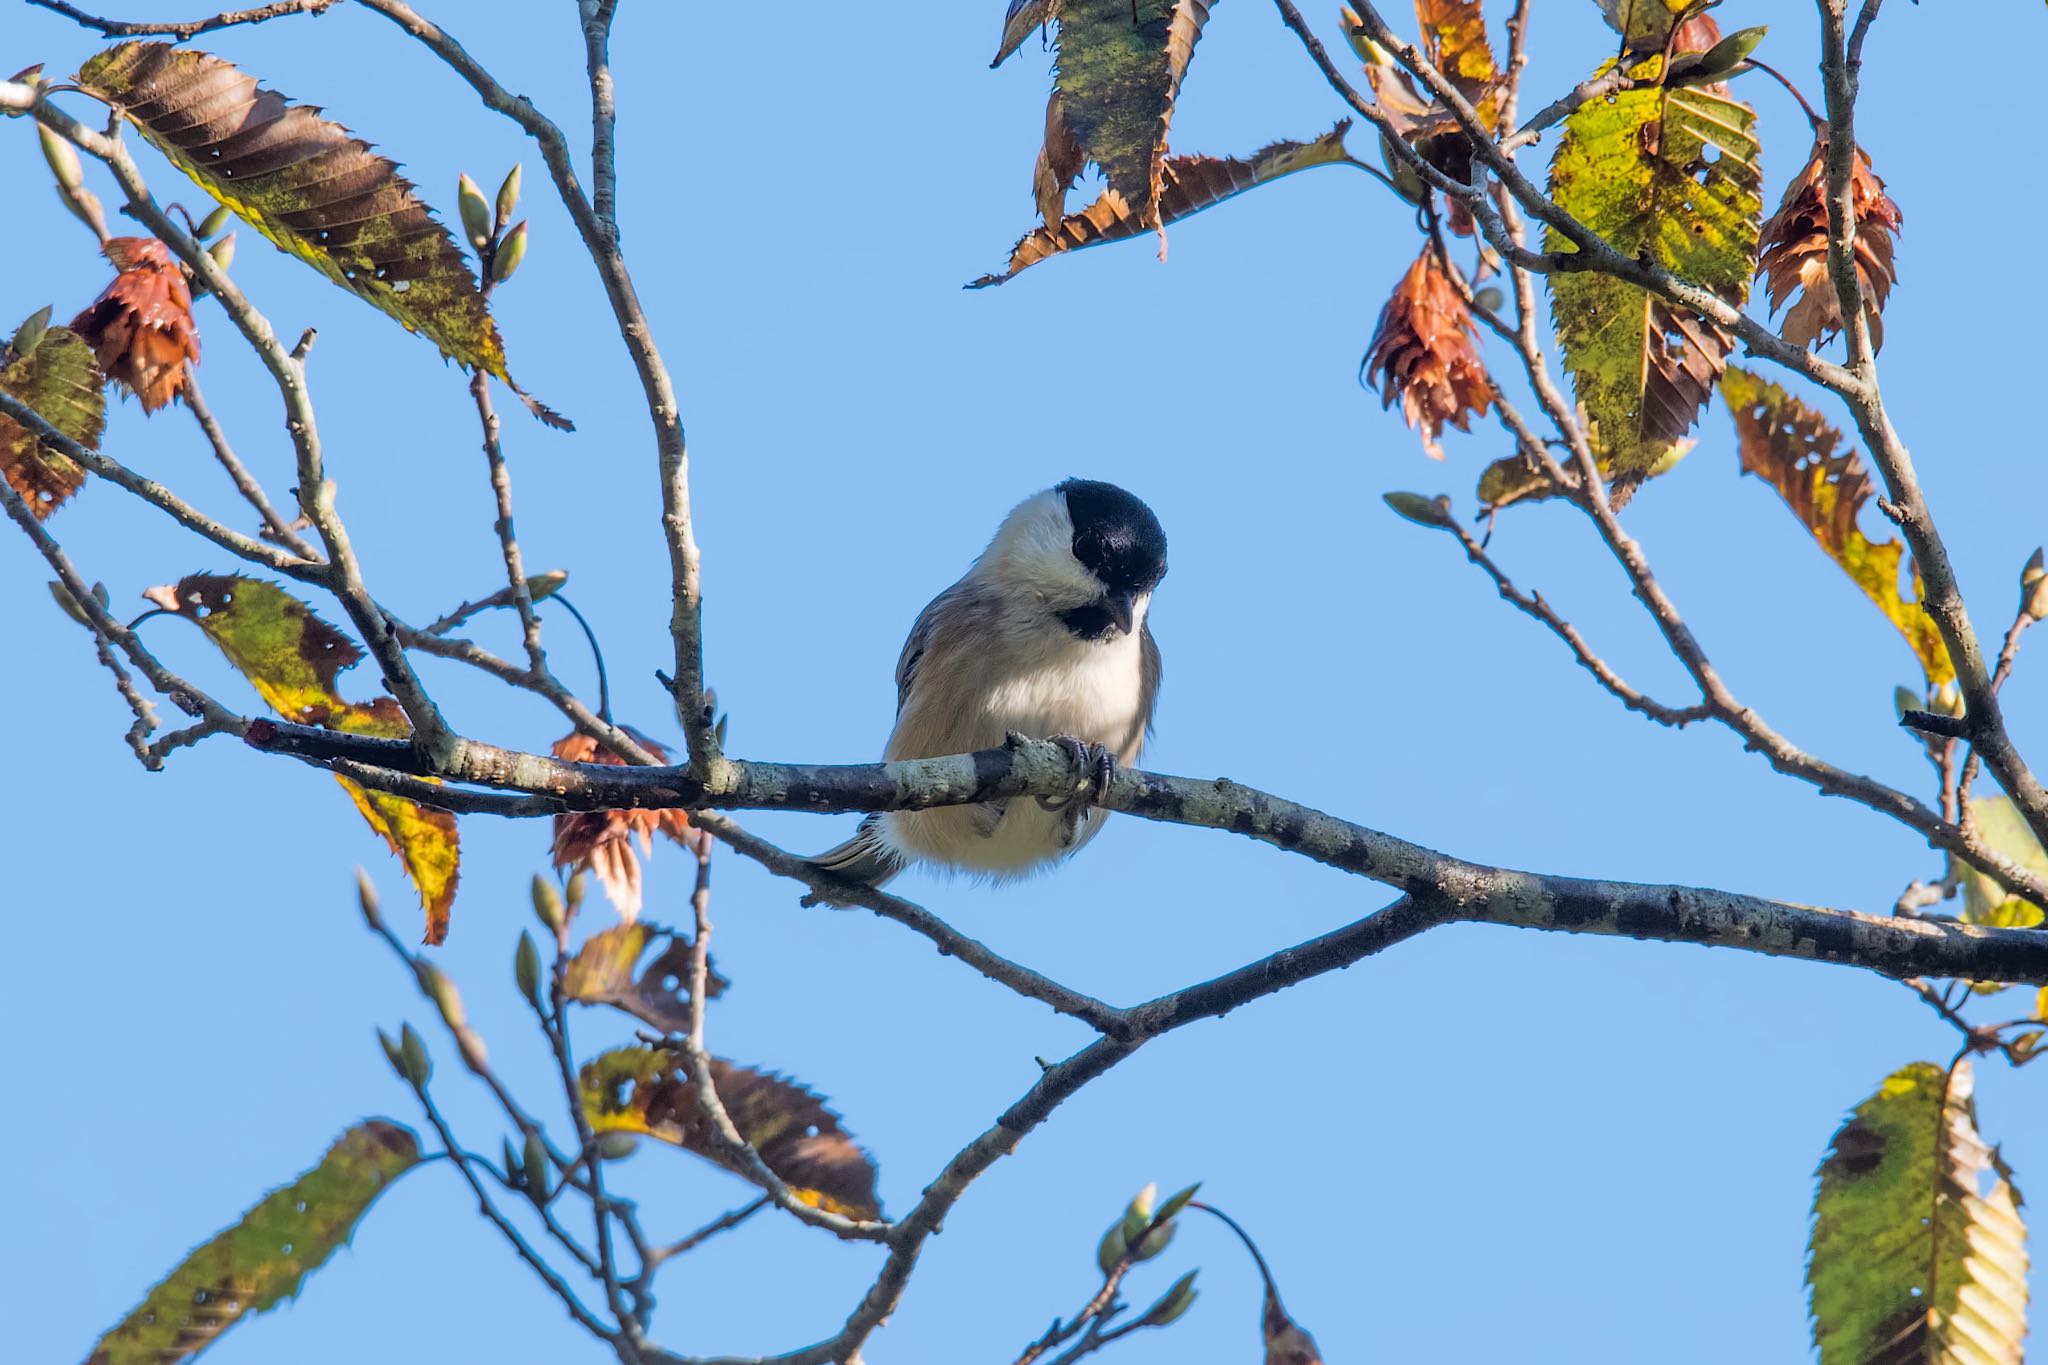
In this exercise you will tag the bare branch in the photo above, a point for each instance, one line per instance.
(275, 528)
(191, 28)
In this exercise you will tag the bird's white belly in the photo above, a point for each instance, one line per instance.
(1089, 692)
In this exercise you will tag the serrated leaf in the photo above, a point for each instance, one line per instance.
(1120, 68)
(608, 970)
(1670, 175)
(1024, 18)
(1792, 448)
(1190, 184)
(310, 187)
(265, 1258)
(2002, 829)
(1645, 24)
(61, 381)
(1918, 1254)
(293, 659)
(1454, 38)
(645, 1090)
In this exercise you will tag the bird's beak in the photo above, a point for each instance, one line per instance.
(1122, 610)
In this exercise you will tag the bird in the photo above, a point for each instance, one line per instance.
(1045, 637)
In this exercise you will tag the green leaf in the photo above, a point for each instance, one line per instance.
(1645, 24)
(638, 1090)
(2004, 830)
(1517, 478)
(293, 659)
(1190, 184)
(1671, 175)
(311, 188)
(59, 378)
(266, 1257)
(1120, 67)
(1791, 447)
(1913, 1259)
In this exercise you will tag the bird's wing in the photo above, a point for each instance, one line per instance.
(1150, 666)
(919, 641)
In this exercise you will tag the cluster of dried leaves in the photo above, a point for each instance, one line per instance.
(602, 841)
(1425, 350)
(141, 328)
(1795, 251)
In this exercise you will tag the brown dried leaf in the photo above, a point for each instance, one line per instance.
(1424, 348)
(60, 380)
(1193, 183)
(646, 1090)
(1794, 261)
(606, 971)
(602, 841)
(141, 327)
(1060, 162)
(1286, 1342)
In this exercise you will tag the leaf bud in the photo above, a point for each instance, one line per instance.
(547, 904)
(1174, 1302)
(1422, 511)
(1490, 298)
(535, 1168)
(508, 196)
(541, 586)
(223, 252)
(85, 206)
(366, 897)
(1154, 1242)
(1178, 1201)
(615, 1145)
(215, 221)
(476, 212)
(1138, 1214)
(515, 1174)
(438, 988)
(33, 329)
(393, 1054)
(1368, 51)
(509, 254)
(2032, 572)
(578, 884)
(1111, 1248)
(100, 594)
(1732, 51)
(414, 1053)
(471, 1044)
(69, 603)
(63, 159)
(526, 968)
(1905, 699)
(2037, 600)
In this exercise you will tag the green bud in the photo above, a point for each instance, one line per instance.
(1178, 1202)
(1422, 511)
(63, 159)
(1154, 1242)
(1111, 1248)
(2037, 600)
(366, 897)
(223, 252)
(1368, 51)
(1732, 51)
(578, 884)
(1138, 1214)
(439, 989)
(69, 603)
(85, 206)
(526, 968)
(547, 904)
(510, 253)
(413, 1053)
(1174, 1302)
(476, 212)
(100, 594)
(1946, 700)
(393, 1054)
(33, 329)
(515, 1174)
(1905, 699)
(215, 221)
(542, 586)
(1490, 298)
(508, 196)
(616, 1146)
(536, 1168)
(471, 1044)
(2032, 572)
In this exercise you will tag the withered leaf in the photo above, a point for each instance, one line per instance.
(602, 840)
(293, 659)
(310, 187)
(60, 380)
(646, 1090)
(1024, 18)
(1791, 447)
(141, 327)
(1192, 183)
(1424, 351)
(1287, 1343)
(1454, 38)
(607, 970)
(265, 1258)
(1794, 262)
(1518, 478)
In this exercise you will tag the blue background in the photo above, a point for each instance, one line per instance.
(1483, 1145)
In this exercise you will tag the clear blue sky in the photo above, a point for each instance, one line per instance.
(1485, 1145)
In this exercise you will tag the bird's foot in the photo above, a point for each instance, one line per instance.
(1094, 768)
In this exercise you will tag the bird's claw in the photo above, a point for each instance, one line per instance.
(1095, 769)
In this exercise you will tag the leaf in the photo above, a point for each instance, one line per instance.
(644, 1090)
(141, 325)
(2003, 829)
(308, 186)
(1023, 18)
(60, 380)
(1670, 175)
(1120, 66)
(293, 659)
(607, 970)
(1792, 448)
(1424, 348)
(1912, 1259)
(1644, 24)
(602, 840)
(1192, 183)
(1454, 39)
(1795, 251)
(1287, 1343)
(265, 1258)
(1517, 478)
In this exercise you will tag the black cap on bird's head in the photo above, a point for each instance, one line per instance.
(1120, 542)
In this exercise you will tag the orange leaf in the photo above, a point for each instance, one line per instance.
(141, 327)
(1794, 261)
(1424, 349)
(602, 840)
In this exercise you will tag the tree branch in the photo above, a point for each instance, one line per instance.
(192, 28)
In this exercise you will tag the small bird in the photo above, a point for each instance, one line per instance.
(1045, 638)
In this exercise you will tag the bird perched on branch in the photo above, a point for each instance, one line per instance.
(1045, 638)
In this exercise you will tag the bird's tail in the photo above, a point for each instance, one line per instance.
(865, 858)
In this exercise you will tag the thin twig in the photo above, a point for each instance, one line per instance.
(191, 28)
(275, 527)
